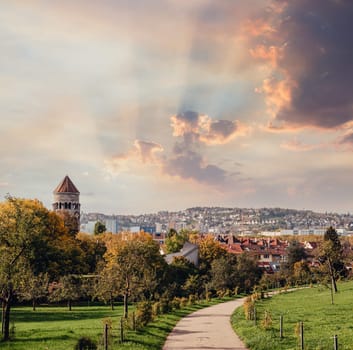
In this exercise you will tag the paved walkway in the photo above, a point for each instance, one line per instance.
(207, 328)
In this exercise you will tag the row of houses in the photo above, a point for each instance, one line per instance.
(269, 252)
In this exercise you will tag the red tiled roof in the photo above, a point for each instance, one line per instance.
(66, 186)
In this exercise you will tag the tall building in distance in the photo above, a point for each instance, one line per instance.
(67, 200)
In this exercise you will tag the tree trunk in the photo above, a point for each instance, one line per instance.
(332, 275)
(2, 316)
(69, 304)
(34, 304)
(6, 321)
(126, 304)
(111, 301)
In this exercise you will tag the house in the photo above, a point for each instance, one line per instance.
(189, 251)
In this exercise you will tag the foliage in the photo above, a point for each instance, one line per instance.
(99, 228)
(209, 250)
(33, 287)
(143, 313)
(85, 343)
(31, 242)
(267, 320)
(175, 241)
(249, 307)
(295, 253)
(331, 256)
(136, 264)
(224, 272)
(68, 289)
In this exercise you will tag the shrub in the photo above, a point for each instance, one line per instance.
(249, 306)
(192, 299)
(175, 303)
(183, 302)
(143, 313)
(156, 309)
(85, 343)
(220, 293)
(267, 320)
(164, 306)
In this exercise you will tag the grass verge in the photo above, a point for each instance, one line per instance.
(56, 328)
(313, 307)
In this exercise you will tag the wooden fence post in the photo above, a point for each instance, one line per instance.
(281, 326)
(335, 342)
(301, 335)
(122, 330)
(105, 336)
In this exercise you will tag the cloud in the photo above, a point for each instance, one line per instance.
(192, 131)
(146, 150)
(141, 151)
(308, 45)
(299, 146)
(188, 164)
(197, 127)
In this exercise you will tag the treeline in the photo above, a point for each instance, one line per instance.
(43, 258)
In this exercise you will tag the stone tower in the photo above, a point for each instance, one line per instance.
(67, 200)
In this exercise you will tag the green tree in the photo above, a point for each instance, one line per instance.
(295, 253)
(99, 228)
(248, 273)
(175, 241)
(224, 272)
(33, 287)
(29, 239)
(67, 289)
(137, 265)
(177, 274)
(331, 256)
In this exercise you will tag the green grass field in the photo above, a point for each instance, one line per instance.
(56, 328)
(312, 306)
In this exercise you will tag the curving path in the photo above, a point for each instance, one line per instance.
(207, 328)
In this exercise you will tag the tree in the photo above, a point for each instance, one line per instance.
(224, 272)
(331, 256)
(209, 250)
(67, 289)
(135, 261)
(33, 287)
(295, 253)
(175, 241)
(99, 228)
(29, 235)
(177, 274)
(248, 273)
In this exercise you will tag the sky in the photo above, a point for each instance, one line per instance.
(155, 105)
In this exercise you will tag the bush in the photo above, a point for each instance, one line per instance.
(249, 306)
(192, 299)
(156, 309)
(175, 303)
(143, 313)
(85, 343)
(164, 306)
(183, 302)
(220, 293)
(267, 320)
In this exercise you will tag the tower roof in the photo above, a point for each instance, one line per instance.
(66, 186)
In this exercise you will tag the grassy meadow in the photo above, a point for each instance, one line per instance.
(56, 328)
(313, 307)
